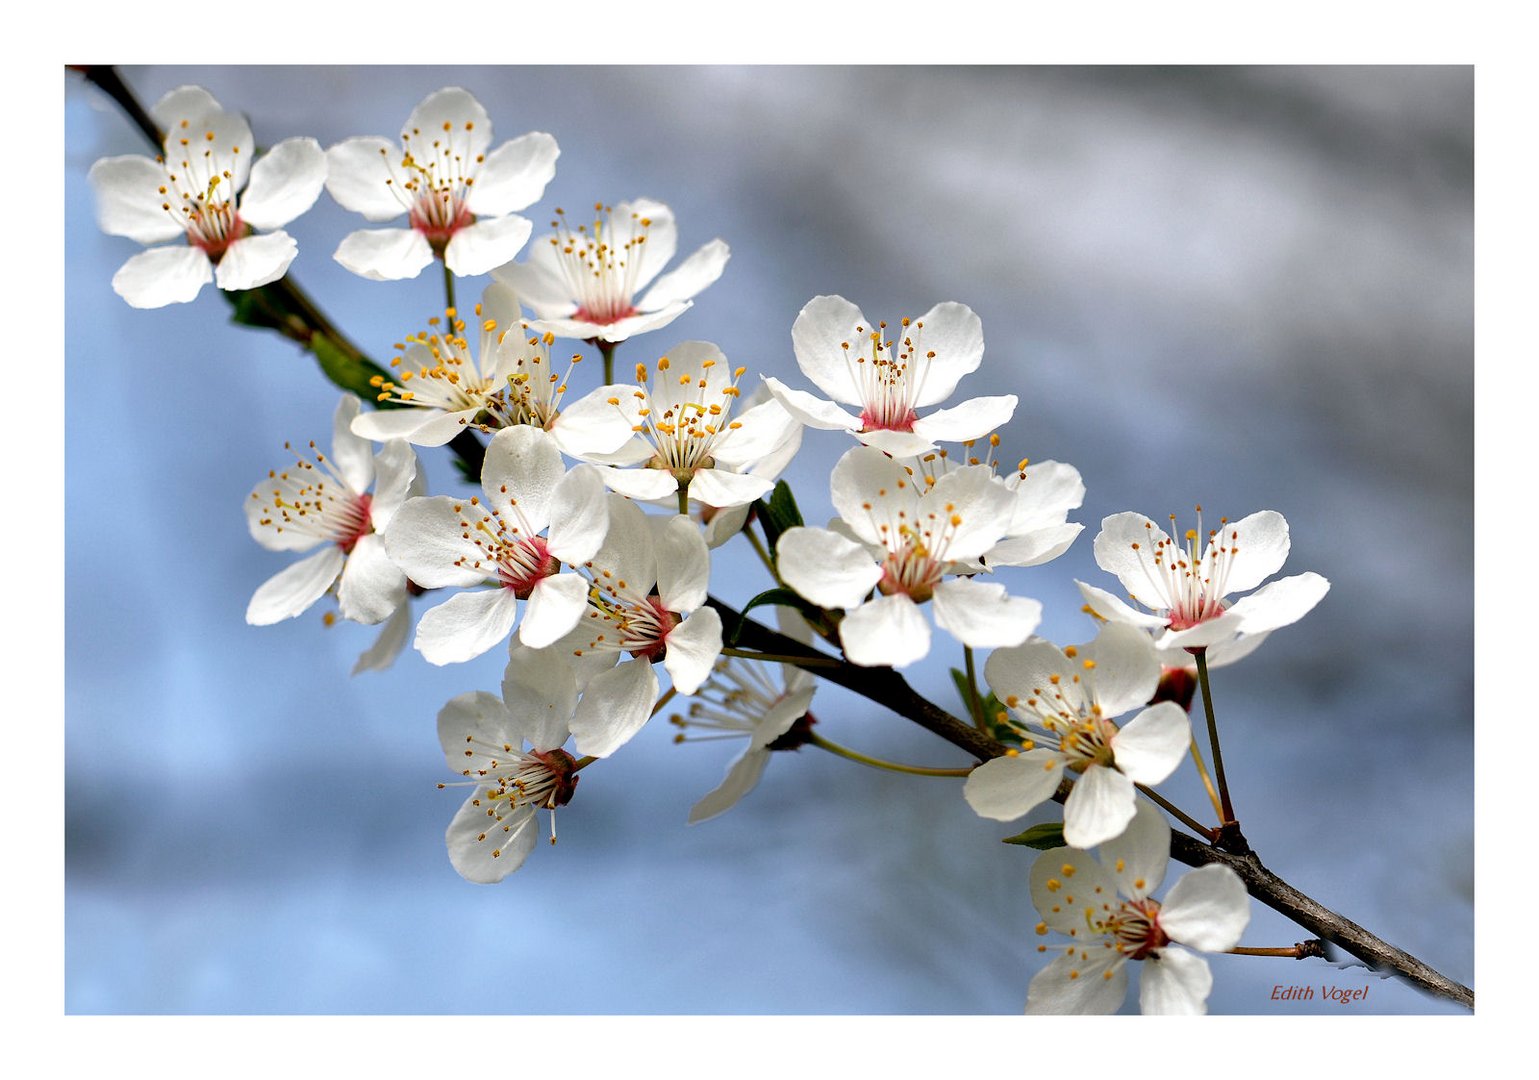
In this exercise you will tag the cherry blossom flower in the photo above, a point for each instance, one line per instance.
(460, 199)
(583, 282)
(1184, 587)
(1063, 702)
(327, 501)
(854, 363)
(686, 435)
(441, 388)
(1038, 530)
(646, 601)
(743, 700)
(496, 539)
(902, 536)
(509, 751)
(198, 190)
(1105, 906)
(722, 523)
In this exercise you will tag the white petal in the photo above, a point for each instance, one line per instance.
(385, 254)
(1153, 743)
(830, 570)
(683, 563)
(487, 842)
(292, 591)
(1126, 546)
(725, 524)
(514, 175)
(555, 606)
(351, 454)
(982, 614)
(468, 726)
(898, 444)
(356, 174)
(616, 331)
(1208, 632)
(982, 505)
(388, 645)
(579, 515)
(644, 484)
(486, 245)
(828, 332)
(689, 278)
(972, 419)
(445, 115)
(519, 476)
(426, 540)
(1026, 671)
(662, 236)
(1099, 807)
(1005, 788)
(614, 706)
(719, 488)
(184, 103)
(1173, 982)
(164, 275)
(395, 469)
(285, 182)
(1109, 606)
(1076, 984)
(764, 429)
(592, 425)
(1260, 546)
(539, 280)
(693, 647)
(1138, 857)
(1127, 669)
(466, 625)
(628, 552)
(812, 411)
(1044, 496)
(254, 261)
(129, 200)
(1281, 603)
(1070, 889)
(742, 777)
(1220, 654)
(955, 335)
(385, 424)
(886, 632)
(1207, 909)
(1034, 548)
(861, 477)
(372, 587)
(540, 693)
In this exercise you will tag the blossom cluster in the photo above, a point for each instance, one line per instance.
(561, 559)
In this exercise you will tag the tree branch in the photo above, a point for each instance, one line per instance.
(888, 688)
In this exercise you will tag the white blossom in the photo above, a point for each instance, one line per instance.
(509, 751)
(327, 501)
(1183, 587)
(902, 535)
(1105, 906)
(531, 517)
(584, 282)
(1063, 702)
(198, 189)
(889, 379)
(459, 195)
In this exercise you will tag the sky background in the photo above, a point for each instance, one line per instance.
(1248, 288)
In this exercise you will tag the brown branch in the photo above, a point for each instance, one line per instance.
(886, 687)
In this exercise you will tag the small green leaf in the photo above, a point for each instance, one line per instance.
(779, 513)
(1042, 837)
(959, 679)
(345, 370)
(780, 596)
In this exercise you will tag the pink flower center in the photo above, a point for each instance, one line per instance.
(649, 628)
(1136, 926)
(354, 523)
(603, 314)
(212, 228)
(523, 564)
(438, 215)
(885, 416)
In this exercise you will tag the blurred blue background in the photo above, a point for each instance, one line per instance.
(1249, 288)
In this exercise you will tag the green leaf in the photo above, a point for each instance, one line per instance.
(780, 596)
(1043, 837)
(779, 513)
(343, 368)
(959, 679)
